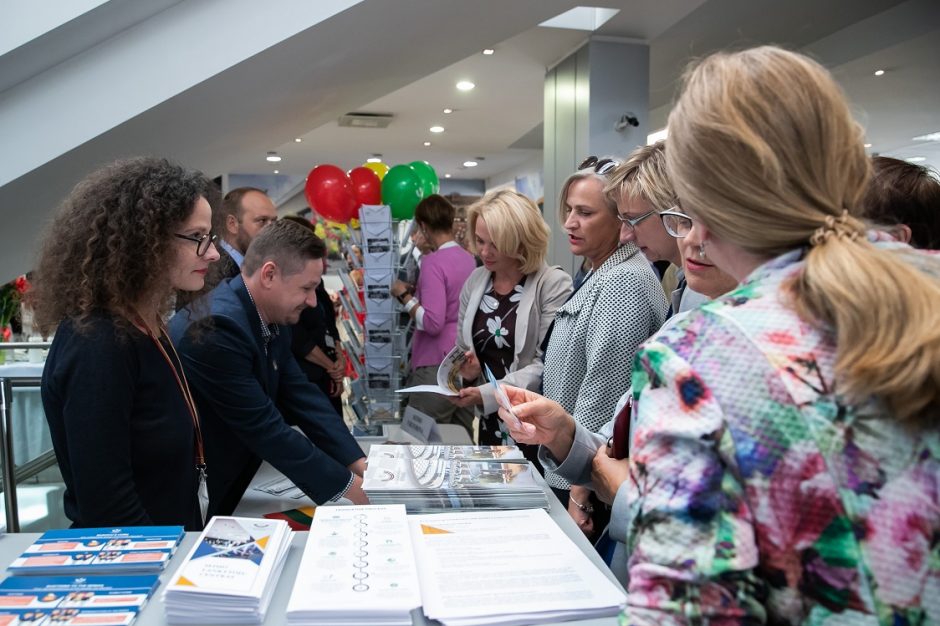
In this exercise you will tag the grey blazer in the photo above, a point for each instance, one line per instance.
(590, 353)
(544, 291)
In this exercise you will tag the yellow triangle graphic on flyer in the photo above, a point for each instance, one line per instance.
(182, 580)
(430, 530)
(263, 542)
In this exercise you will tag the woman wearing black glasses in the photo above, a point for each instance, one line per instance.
(123, 424)
(618, 306)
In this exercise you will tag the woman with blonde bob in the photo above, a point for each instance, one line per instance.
(786, 458)
(507, 305)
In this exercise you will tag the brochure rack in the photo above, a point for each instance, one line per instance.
(376, 336)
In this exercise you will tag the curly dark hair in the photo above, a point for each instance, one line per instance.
(109, 244)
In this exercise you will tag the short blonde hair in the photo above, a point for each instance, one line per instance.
(643, 175)
(585, 174)
(763, 149)
(516, 226)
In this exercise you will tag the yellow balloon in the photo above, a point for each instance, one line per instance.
(380, 169)
(337, 226)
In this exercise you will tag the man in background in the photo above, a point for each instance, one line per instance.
(245, 211)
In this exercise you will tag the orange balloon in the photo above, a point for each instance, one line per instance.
(380, 169)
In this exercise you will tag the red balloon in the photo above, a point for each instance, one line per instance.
(330, 193)
(367, 185)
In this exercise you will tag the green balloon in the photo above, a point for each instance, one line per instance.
(428, 177)
(401, 191)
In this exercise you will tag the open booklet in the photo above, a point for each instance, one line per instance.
(449, 380)
(372, 564)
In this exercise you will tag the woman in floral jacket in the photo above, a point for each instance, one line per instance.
(786, 457)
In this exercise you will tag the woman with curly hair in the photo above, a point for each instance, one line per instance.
(124, 427)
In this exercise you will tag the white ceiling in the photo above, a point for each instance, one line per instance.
(506, 105)
(404, 57)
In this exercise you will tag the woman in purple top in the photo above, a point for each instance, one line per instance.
(435, 306)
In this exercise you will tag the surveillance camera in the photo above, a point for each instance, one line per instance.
(626, 120)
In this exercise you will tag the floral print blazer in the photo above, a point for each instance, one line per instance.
(756, 494)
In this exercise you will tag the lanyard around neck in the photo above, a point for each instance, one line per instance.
(181, 382)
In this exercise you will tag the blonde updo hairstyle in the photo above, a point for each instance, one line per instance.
(763, 149)
(515, 225)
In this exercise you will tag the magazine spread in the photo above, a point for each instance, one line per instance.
(428, 478)
(449, 380)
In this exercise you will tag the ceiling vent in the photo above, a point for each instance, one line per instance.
(366, 120)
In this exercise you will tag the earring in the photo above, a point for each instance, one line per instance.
(701, 250)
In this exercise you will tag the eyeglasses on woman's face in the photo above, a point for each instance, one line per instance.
(676, 223)
(202, 241)
(600, 166)
(630, 222)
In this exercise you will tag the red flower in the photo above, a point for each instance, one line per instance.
(6, 333)
(21, 285)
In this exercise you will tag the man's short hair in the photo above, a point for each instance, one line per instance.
(289, 245)
(232, 205)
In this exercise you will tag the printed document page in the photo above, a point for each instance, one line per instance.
(506, 567)
(358, 567)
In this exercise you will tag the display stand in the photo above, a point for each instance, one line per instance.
(376, 337)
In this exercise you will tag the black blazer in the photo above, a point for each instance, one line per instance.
(120, 428)
(248, 399)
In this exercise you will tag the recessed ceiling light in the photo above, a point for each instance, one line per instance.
(436, 129)
(469, 163)
(916, 159)
(273, 157)
(929, 137)
(427, 144)
(465, 85)
(879, 72)
(448, 111)
(446, 175)
(277, 171)
(297, 139)
(488, 51)
(374, 159)
(868, 145)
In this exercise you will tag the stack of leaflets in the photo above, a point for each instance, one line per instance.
(230, 574)
(430, 478)
(508, 568)
(63, 600)
(358, 568)
(138, 550)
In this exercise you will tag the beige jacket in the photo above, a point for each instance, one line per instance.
(544, 292)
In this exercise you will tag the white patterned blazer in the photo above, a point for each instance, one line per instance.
(589, 357)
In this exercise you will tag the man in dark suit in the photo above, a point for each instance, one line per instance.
(236, 352)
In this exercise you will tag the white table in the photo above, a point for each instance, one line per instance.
(257, 503)
(153, 614)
